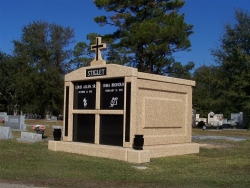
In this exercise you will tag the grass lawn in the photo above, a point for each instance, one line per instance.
(33, 163)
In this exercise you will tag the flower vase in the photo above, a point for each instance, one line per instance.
(57, 133)
(40, 132)
(138, 142)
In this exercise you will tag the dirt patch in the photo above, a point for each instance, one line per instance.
(215, 145)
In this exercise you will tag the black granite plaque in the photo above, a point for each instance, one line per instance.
(111, 130)
(96, 72)
(84, 128)
(112, 94)
(84, 95)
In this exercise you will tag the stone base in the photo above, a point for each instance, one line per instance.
(99, 62)
(124, 154)
(172, 149)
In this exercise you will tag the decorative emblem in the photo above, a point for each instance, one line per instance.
(85, 102)
(113, 102)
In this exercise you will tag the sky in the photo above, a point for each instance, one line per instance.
(207, 16)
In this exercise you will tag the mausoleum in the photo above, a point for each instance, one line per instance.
(107, 105)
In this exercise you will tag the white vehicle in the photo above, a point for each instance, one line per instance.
(215, 120)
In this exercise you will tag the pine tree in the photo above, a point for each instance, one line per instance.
(148, 34)
(42, 55)
(233, 57)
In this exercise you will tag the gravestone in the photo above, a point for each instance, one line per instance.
(53, 118)
(240, 119)
(29, 137)
(5, 133)
(15, 122)
(3, 115)
(106, 105)
(60, 117)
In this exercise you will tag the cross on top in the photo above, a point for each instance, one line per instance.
(97, 47)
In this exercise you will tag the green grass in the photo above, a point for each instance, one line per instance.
(222, 132)
(33, 163)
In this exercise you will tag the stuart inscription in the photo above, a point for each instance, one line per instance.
(96, 72)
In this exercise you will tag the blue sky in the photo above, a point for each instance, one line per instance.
(207, 16)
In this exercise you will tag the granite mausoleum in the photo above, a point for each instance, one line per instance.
(106, 105)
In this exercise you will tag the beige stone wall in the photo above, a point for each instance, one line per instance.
(113, 71)
(163, 112)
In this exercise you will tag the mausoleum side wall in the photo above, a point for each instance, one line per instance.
(164, 110)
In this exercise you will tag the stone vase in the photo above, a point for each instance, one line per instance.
(138, 142)
(57, 133)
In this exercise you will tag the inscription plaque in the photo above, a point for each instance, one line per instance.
(84, 95)
(112, 94)
(96, 72)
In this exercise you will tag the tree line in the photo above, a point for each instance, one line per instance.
(148, 35)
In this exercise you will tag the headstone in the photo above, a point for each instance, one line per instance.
(15, 122)
(3, 115)
(30, 137)
(237, 117)
(5, 133)
(60, 117)
(53, 118)
(240, 119)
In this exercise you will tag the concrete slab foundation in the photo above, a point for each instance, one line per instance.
(124, 154)
(172, 149)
